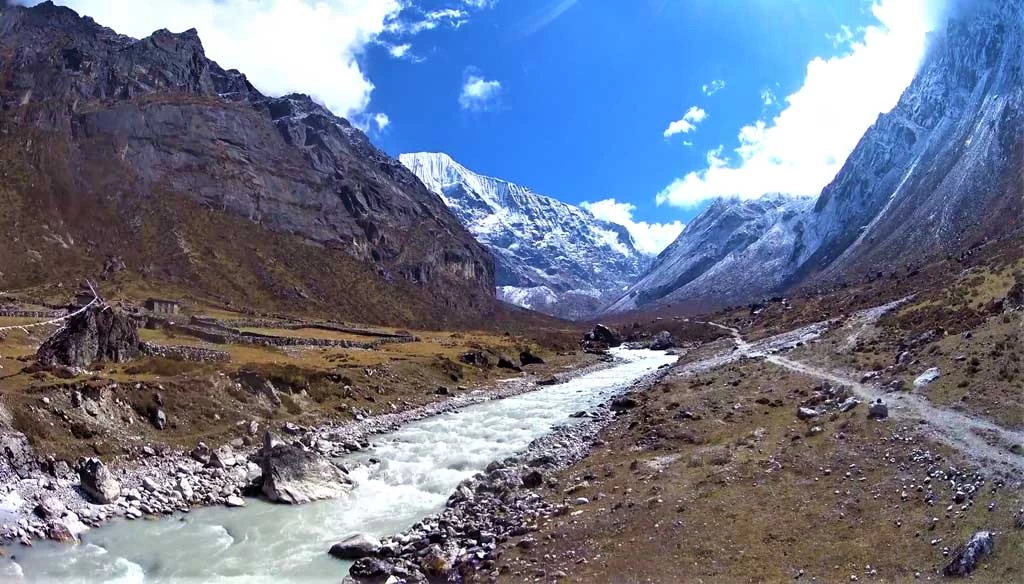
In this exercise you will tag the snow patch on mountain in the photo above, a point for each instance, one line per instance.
(551, 256)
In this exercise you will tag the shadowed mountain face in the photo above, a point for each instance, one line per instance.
(937, 175)
(551, 256)
(147, 150)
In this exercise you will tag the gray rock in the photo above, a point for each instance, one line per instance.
(234, 501)
(59, 531)
(355, 547)
(294, 476)
(927, 377)
(50, 507)
(849, 404)
(158, 418)
(222, 457)
(662, 341)
(97, 482)
(370, 568)
(98, 334)
(804, 413)
(878, 410)
(967, 557)
(201, 453)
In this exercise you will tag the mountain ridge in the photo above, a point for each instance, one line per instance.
(109, 126)
(932, 177)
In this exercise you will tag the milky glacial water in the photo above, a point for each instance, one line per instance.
(421, 464)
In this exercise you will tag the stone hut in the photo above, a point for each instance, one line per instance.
(158, 306)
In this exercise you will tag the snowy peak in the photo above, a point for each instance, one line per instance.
(551, 256)
(734, 248)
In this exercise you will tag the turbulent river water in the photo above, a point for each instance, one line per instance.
(421, 464)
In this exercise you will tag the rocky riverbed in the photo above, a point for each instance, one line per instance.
(487, 509)
(47, 499)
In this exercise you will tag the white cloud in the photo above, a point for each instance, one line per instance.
(399, 51)
(687, 123)
(649, 238)
(371, 123)
(478, 94)
(768, 97)
(841, 38)
(452, 17)
(283, 46)
(803, 147)
(713, 87)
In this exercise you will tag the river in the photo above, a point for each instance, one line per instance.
(420, 466)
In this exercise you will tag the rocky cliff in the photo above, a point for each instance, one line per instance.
(551, 256)
(935, 176)
(99, 126)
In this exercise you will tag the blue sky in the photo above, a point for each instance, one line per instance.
(583, 100)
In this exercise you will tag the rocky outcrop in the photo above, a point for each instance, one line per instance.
(294, 475)
(96, 335)
(97, 483)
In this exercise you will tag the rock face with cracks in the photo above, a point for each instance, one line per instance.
(294, 475)
(98, 334)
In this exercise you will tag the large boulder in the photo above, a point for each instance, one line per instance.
(355, 547)
(967, 557)
(294, 475)
(98, 334)
(97, 482)
(662, 341)
(603, 335)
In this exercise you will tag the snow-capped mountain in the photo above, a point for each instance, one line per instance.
(705, 265)
(936, 175)
(550, 256)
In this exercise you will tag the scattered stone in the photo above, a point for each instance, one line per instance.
(158, 418)
(548, 381)
(371, 569)
(927, 377)
(805, 413)
(506, 363)
(849, 404)
(528, 358)
(533, 479)
(878, 410)
(50, 507)
(201, 453)
(222, 457)
(623, 403)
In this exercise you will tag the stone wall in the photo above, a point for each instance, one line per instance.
(185, 353)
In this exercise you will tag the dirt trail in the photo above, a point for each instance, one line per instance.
(978, 439)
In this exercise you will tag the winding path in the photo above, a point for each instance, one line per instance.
(978, 439)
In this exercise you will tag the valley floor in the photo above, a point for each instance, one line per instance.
(714, 476)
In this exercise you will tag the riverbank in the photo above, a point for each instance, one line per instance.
(464, 540)
(762, 461)
(407, 475)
